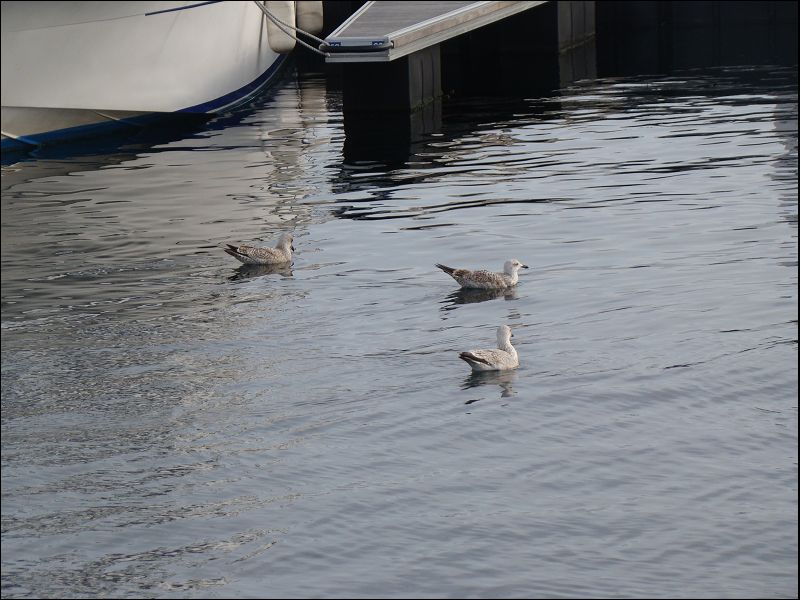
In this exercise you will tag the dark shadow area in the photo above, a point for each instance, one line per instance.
(527, 55)
(389, 137)
(660, 37)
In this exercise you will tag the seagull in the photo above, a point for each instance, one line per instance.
(254, 255)
(486, 280)
(500, 359)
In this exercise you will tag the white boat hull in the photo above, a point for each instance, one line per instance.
(71, 65)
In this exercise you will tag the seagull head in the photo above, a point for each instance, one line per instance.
(285, 241)
(512, 266)
(504, 336)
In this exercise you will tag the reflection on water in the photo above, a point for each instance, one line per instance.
(249, 271)
(391, 138)
(112, 148)
(177, 425)
(471, 296)
(503, 379)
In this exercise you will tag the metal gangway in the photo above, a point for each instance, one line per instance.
(383, 31)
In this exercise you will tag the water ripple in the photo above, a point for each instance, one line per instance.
(177, 425)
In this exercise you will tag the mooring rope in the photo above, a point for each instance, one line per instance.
(282, 26)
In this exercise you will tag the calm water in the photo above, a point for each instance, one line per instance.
(175, 427)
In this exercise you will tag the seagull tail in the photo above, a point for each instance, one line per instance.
(234, 252)
(448, 270)
(471, 359)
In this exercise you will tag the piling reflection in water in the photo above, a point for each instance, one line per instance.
(389, 137)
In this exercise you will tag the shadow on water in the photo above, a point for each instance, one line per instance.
(503, 379)
(251, 271)
(468, 296)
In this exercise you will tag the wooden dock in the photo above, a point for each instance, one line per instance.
(383, 31)
(399, 56)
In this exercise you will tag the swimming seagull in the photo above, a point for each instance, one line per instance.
(486, 280)
(254, 255)
(500, 359)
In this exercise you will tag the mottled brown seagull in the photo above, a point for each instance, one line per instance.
(486, 280)
(254, 255)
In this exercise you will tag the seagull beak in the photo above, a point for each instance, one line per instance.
(524, 266)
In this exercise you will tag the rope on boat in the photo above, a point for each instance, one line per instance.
(282, 26)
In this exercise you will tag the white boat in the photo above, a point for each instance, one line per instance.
(72, 68)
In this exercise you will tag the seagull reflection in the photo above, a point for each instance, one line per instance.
(470, 296)
(504, 379)
(249, 271)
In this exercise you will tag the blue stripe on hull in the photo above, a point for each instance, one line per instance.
(168, 10)
(242, 94)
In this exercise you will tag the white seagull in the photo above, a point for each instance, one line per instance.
(500, 359)
(254, 255)
(486, 280)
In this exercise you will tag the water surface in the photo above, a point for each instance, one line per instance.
(175, 426)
